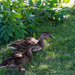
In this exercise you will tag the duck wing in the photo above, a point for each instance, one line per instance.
(12, 60)
(22, 43)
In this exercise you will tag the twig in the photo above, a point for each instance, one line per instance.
(34, 16)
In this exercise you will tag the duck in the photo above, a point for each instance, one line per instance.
(22, 43)
(17, 59)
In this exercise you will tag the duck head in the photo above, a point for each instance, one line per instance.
(45, 35)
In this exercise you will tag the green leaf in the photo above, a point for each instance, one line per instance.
(15, 3)
(8, 1)
(22, 35)
(6, 4)
(4, 12)
(20, 1)
(12, 19)
(47, 14)
(42, 6)
(16, 14)
(10, 27)
(17, 34)
(67, 1)
(55, 1)
(23, 5)
(22, 26)
(2, 27)
(9, 32)
(27, 13)
(15, 28)
(58, 15)
(2, 33)
(17, 8)
(6, 37)
(31, 30)
(59, 1)
(30, 2)
(24, 31)
(38, 3)
(5, 19)
(52, 12)
(34, 27)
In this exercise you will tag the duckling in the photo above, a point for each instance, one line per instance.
(17, 59)
(22, 43)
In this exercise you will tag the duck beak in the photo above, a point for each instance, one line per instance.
(52, 37)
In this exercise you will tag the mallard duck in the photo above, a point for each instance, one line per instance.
(22, 43)
(17, 59)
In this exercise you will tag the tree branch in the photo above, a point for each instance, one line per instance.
(34, 16)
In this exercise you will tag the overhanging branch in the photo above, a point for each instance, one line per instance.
(34, 16)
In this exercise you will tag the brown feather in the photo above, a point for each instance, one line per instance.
(18, 58)
(23, 43)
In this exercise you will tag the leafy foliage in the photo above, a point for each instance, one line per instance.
(11, 25)
(18, 19)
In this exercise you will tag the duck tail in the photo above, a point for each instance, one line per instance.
(2, 66)
(10, 46)
(4, 63)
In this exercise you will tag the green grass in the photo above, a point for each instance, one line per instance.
(58, 55)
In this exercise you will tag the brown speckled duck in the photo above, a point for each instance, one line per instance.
(22, 43)
(17, 59)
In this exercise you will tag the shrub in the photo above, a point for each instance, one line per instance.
(18, 19)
